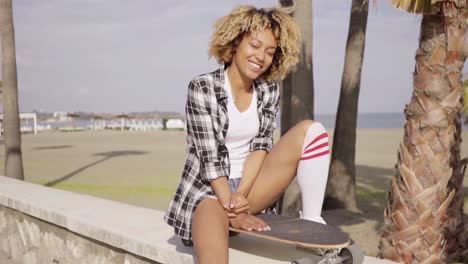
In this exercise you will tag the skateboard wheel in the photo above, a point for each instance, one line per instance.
(304, 261)
(352, 254)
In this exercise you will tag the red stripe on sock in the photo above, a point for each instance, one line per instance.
(323, 135)
(316, 155)
(316, 147)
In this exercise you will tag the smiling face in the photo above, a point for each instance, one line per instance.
(254, 54)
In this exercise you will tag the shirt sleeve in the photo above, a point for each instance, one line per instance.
(200, 128)
(264, 138)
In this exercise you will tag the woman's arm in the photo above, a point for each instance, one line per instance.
(200, 128)
(252, 166)
(238, 201)
(221, 188)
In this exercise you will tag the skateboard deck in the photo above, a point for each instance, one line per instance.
(299, 232)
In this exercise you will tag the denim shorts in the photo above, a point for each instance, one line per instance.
(234, 184)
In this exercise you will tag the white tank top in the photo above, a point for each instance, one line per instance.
(243, 127)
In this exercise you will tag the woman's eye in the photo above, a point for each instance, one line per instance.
(254, 45)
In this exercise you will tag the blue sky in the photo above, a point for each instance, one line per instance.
(123, 56)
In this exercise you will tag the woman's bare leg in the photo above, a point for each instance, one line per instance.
(210, 232)
(277, 171)
(278, 168)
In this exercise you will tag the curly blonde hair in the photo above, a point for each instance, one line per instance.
(230, 29)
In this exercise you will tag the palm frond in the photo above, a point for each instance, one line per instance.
(447, 7)
(414, 6)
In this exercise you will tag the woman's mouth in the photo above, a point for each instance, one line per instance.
(255, 66)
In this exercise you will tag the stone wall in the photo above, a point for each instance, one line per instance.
(29, 240)
(42, 225)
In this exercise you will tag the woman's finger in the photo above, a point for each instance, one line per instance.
(241, 210)
(249, 226)
(238, 200)
(242, 203)
(230, 212)
(234, 201)
(252, 224)
(232, 215)
(262, 224)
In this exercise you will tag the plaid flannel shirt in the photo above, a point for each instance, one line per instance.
(208, 157)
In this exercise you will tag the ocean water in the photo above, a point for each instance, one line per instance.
(367, 120)
(374, 120)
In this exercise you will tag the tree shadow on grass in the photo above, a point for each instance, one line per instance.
(376, 178)
(52, 147)
(373, 185)
(372, 189)
(105, 155)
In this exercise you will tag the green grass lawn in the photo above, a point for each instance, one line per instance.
(143, 168)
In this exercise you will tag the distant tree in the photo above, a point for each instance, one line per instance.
(298, 93)
(424, 214)
(1, 104)
(122, 117)
(1, 93)
(341, 187)
(95, 118)
(73, 117)
(11, 119)
(164, 122)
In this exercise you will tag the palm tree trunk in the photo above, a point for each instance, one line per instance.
(11, 120)
(457, 231)
(341, 188)
(298, 95)
(416, 215)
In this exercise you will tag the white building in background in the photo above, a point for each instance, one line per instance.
(28, 122)
(175, 124)
(61, 117)
(144, 124)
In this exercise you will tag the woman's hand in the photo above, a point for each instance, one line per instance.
(221, 188)
(226, 205)
(235, 205)
(249, 223)
(239, 204)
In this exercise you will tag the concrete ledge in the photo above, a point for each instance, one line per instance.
(137, 231)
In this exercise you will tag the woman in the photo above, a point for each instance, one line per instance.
(232, 170)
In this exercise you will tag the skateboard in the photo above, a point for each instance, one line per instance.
(330, 243)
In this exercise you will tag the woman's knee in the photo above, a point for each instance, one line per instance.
(304, 125)
(210, 210)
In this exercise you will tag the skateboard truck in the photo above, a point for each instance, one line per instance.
(351, 254)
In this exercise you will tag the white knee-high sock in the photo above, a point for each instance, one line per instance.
(312, 172)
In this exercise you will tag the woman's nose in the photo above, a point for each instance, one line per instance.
(260, 55)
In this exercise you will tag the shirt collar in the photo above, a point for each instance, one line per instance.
(260, 85)
(220, 93)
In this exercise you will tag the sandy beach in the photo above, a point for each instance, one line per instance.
(143, 168)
